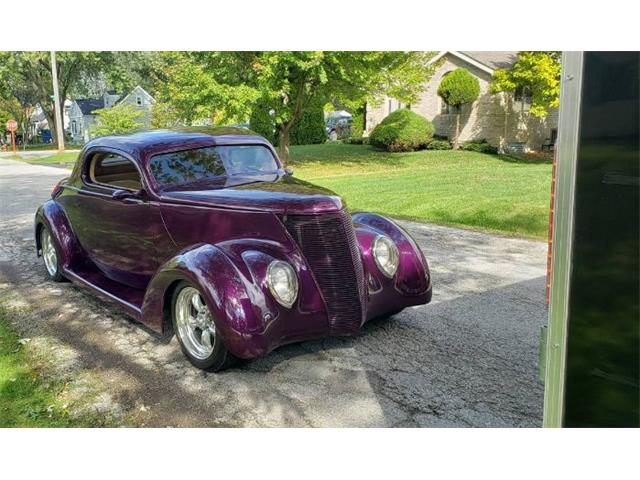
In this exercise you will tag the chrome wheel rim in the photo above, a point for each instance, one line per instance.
(49, 252)
(195, 324)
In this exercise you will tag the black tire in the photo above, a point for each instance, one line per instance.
(56, 276)
(219, 359)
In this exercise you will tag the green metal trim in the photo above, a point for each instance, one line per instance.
(568, 130)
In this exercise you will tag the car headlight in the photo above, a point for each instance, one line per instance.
(385, 253)
(283, 282)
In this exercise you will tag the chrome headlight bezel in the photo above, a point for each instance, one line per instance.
(292, 278)
(394, 255)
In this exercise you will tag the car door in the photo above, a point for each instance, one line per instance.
(115, 222)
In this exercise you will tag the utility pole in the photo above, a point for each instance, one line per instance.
(56, 103)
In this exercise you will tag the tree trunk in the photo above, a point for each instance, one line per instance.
(283, 147)
(52, 126)
(456, 144)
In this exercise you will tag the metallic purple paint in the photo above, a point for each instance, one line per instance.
(221, 236)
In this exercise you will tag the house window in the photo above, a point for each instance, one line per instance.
(139, 101)
(522, 99)
(74, 127)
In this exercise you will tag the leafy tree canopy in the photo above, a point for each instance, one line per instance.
(26, 76)
(538, 71)
(219, 86)
(119, 119)
(459, 87)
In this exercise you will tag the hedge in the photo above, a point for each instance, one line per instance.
(402, 131)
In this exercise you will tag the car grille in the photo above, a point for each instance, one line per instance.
(328, 242)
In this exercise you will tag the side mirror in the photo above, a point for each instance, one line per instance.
(126, 194)
(288, 171)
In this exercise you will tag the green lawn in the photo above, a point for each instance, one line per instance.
(467, 189)
(28, 397)
(68, 159)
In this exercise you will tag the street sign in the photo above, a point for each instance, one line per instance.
(12, 126)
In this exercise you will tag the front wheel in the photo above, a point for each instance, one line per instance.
(50, 255)
(196, 331)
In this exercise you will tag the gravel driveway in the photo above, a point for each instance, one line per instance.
(467, 359)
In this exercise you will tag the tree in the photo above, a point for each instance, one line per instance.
(537, 71)
(198, 89)
(27, 76)
(120, 119)
(219, 86)
(458, 88)
(289, 82)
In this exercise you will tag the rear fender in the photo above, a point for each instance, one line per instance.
(52, 215)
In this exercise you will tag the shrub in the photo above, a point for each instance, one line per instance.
(262, 123)
(402, 131)
(439, 144)
(357, 140)
(481, 146)
(310, 129)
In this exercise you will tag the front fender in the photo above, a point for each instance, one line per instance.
(52, 215)
(232, 278)
(413, 276)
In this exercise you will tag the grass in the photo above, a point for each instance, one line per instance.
(68, 159)
(466, 189)
(28, 397)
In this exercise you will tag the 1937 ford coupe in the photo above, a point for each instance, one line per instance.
(204, 234)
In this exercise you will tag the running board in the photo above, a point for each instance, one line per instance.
(128, 298)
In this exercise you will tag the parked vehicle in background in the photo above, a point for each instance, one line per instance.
(204, 234)
(338, 125)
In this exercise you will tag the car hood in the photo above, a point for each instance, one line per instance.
(273, 192)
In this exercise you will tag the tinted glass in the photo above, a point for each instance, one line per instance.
(203, 163)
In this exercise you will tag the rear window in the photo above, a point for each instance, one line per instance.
(199, 164)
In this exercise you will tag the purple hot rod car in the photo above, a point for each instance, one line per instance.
(204, 234)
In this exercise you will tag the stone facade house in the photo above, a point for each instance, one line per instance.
(503, 119)
(82, 112)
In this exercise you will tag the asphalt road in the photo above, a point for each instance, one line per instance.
(467, 359)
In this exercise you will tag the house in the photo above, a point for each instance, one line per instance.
(503, 119)
(82, 116)
(38, 122)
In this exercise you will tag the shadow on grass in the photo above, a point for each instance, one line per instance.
(527, 159)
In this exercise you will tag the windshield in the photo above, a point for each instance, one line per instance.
(199, 164)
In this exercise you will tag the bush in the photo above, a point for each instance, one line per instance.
(310, 129)
(357, 140)
(262, 123)
(439, 144)
(481, 146)
(402, 131)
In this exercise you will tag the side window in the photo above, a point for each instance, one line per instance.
(115, 171)
(522, 97)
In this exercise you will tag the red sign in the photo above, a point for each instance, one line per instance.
(12, 125)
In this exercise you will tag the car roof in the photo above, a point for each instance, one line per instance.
(141, 145)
